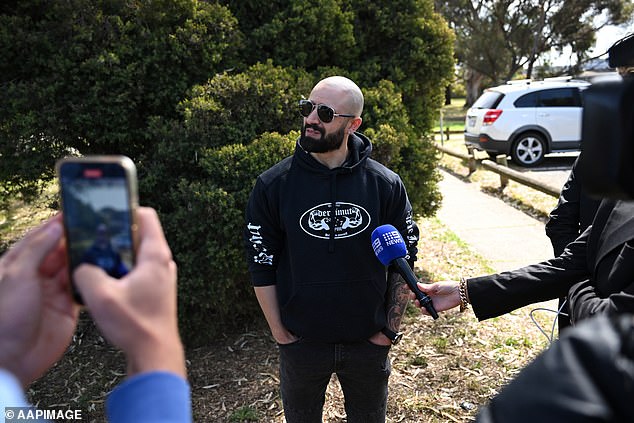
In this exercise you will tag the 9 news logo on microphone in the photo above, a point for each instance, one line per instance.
(392, 237)
(388, 244)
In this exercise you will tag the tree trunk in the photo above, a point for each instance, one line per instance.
(529, 71)
(536, 49)
(473, 81)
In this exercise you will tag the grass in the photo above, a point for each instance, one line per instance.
(18, 216)
(244, 414)
(453, 116)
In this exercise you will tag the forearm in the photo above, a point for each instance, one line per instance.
(267, 298)
(494, 295)
(158, 353)
(398, 296)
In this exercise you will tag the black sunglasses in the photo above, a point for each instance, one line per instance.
(325, 113)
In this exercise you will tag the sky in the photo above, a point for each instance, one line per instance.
(608, 36)
(108, 192)
(605, 37)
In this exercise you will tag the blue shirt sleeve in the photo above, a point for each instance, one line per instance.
(11, 393)
(12, 396)
(159, 397)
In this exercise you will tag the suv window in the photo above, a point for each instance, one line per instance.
(556, 97)
(488, 100)
(527, 100)
(560, 97)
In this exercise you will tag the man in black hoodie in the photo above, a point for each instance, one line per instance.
(330, 304)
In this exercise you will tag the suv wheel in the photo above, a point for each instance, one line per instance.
(529, 149)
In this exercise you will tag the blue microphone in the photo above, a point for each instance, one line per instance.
(390, 248)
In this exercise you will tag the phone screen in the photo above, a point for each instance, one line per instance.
(98, 204)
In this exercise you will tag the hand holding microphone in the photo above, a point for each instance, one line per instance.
(390, 248)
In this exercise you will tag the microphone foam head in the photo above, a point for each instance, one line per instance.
(388, 244)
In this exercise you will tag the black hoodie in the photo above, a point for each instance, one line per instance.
(330, 285)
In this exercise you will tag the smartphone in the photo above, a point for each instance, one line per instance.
(99, 199)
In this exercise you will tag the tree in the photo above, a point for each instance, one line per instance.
(496, 39)
(403, 41)
(307, 35)
(408, 43)
(85, 76)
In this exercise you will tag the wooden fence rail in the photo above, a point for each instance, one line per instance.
(505, 172)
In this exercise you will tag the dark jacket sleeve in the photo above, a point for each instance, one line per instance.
(497, 294)
(563, 224)
(262, 237)
(586, 376)
(585, 302)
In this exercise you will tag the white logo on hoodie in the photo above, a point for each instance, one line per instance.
(349, 220)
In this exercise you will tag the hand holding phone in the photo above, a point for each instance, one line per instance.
(99, 201)
(138, 314)
(37, 316)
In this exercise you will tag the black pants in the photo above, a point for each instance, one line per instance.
(362, 368)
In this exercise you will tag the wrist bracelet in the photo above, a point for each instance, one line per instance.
(464, 298)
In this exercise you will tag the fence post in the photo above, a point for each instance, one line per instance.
(442, 140)
(502, 170)
(501, 160)
(471, 163)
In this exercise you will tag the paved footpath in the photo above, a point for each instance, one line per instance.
(506, 237)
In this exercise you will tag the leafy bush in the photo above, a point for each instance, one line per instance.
(85, 76)
(306, 34)
(236, 107)
(398, 146)
(204, 224)
(408, 43)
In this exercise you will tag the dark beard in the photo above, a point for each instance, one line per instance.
(324, 144)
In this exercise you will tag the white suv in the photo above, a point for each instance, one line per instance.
(527, 119)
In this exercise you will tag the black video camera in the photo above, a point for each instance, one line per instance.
(607, 162)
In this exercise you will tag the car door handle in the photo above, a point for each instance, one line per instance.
(543, 114)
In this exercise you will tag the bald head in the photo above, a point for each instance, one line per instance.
(350, 94)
